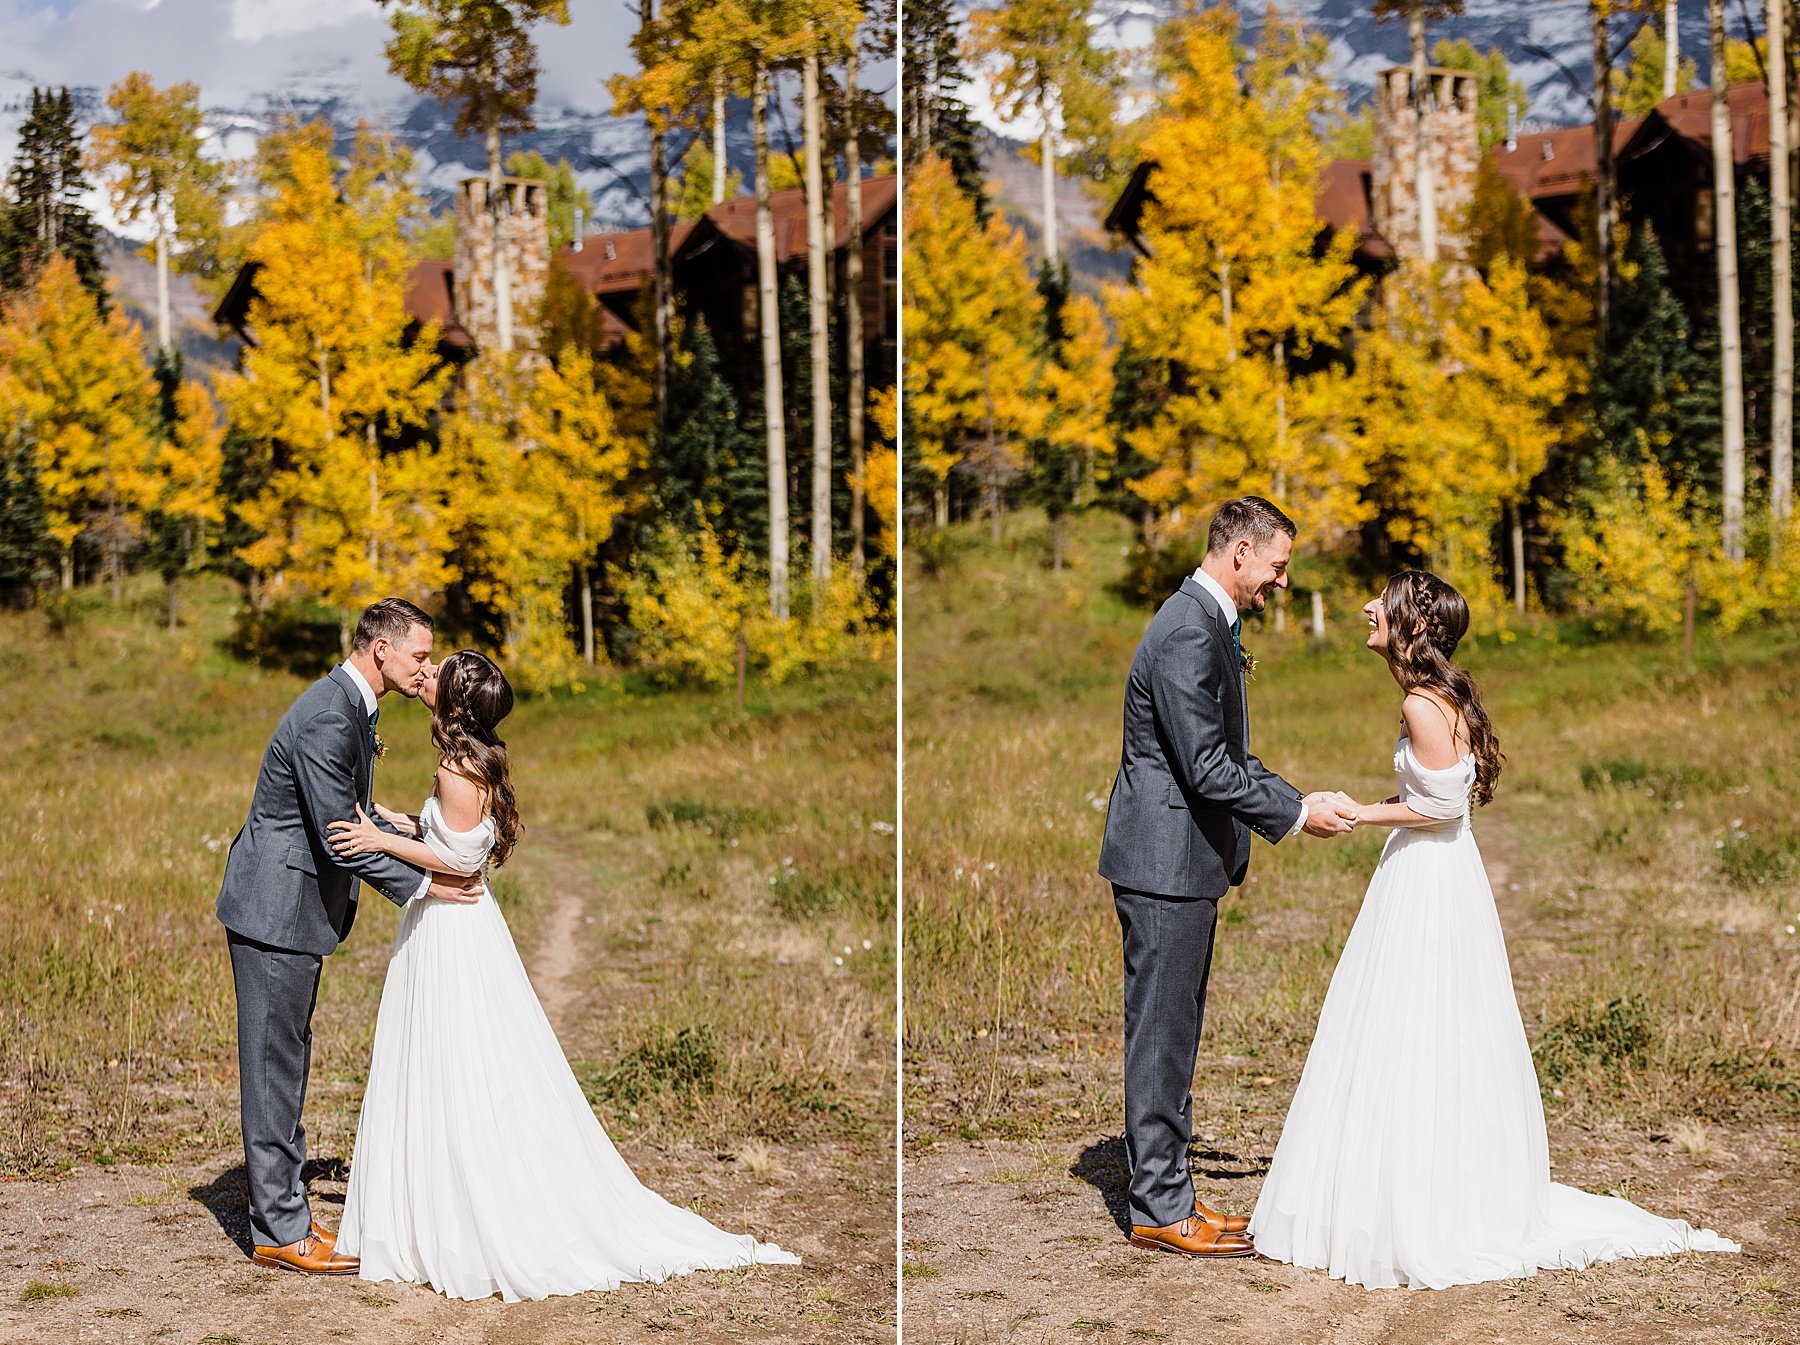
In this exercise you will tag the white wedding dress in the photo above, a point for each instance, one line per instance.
(1414, 1151)
(479, 1166)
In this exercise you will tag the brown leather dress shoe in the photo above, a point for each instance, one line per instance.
(324, 1235)
(1229, 1223)
(309, 1256)
(1193, 1237)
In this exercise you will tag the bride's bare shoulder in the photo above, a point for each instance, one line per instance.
(1431, 725)
(459, 798)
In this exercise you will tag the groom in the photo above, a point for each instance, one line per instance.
(288, 901)
(1187, 796)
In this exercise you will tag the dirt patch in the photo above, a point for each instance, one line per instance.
(1024, 1241)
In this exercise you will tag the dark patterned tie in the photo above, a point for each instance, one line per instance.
(1237, 647)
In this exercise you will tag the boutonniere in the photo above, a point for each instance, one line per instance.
(1249, 663)
(380, 746)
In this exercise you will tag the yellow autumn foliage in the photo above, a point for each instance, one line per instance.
(969, 318)
(688, 597)
(80, 385)
(1235, 290)
(1628, 542)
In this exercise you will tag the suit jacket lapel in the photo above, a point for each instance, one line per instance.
(364, 748)
(1234, 679)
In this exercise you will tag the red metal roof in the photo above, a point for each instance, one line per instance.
(1559, 163)
(1343, 203)
(617, 263)
(431, 297)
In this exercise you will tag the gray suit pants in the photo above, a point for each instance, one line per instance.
(276, 992)
(1168, 956)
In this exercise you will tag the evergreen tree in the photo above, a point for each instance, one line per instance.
(937, 121)
(706, 458)
(44, 214)
(27, 551)
(1655, 387)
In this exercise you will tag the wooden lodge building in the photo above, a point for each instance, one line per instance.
(713, 262)
(1664, 164)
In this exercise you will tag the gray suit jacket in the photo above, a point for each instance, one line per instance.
(283, 885)
(1188, 792)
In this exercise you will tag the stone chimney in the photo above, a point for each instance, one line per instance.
(1455, 150)
(525, 233)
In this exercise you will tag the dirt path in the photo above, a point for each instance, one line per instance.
(1024, 1242)
(559, 955)
(160, 1253)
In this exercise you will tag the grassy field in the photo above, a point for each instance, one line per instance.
(737, 873)
(1643, 839)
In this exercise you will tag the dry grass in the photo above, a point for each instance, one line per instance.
(731, 859)
(1644, 820)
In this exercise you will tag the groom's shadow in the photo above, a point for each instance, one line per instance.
(1104, 1166)
(227, 1196)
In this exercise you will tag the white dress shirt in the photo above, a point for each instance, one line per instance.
(369, 704)
(1217, 591)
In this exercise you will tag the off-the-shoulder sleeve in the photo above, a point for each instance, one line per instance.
(1438, 794)
(461, 851)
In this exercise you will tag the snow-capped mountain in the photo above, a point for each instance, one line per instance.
(1546, 43)
(610, 154)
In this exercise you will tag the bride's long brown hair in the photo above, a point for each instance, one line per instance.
(472, 698)
(1427, 619)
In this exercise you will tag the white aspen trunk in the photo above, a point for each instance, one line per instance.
(940, 510)
(853, 319)
(503, 313)
(661, 296)
(1731, 356)
(1781, 443)
(1671, 46)
(1518, 557)
(1225, 303)
(718, 130)
(768, 321)
(1423, 173)
(324, 386)
(587, 614)
(163, 340)
(818, 207)
(1047, 173)
(1605, 178)
(1318, 615)
(374, 503)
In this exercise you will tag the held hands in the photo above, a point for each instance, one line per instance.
(1329, 813)
(360, 837)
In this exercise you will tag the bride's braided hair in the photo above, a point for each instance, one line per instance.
(472, 698)
(1427, 619)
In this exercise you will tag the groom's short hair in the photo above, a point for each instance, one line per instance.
(388, 620)
(1248, 516)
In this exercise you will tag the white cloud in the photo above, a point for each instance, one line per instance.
(254, 20)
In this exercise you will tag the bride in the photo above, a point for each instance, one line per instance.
(479, 1167)
(1414, 1152)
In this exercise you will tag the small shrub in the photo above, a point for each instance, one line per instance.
(1609, 1036)
(39, 1290)
(1750, 862)
(686, 1062)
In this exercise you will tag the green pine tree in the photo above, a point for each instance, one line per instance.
(1655, 388)
(936, 120)
(27, 551)
(43, 209)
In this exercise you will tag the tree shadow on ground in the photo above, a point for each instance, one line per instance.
(1103, 1166)
(227, 1196)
